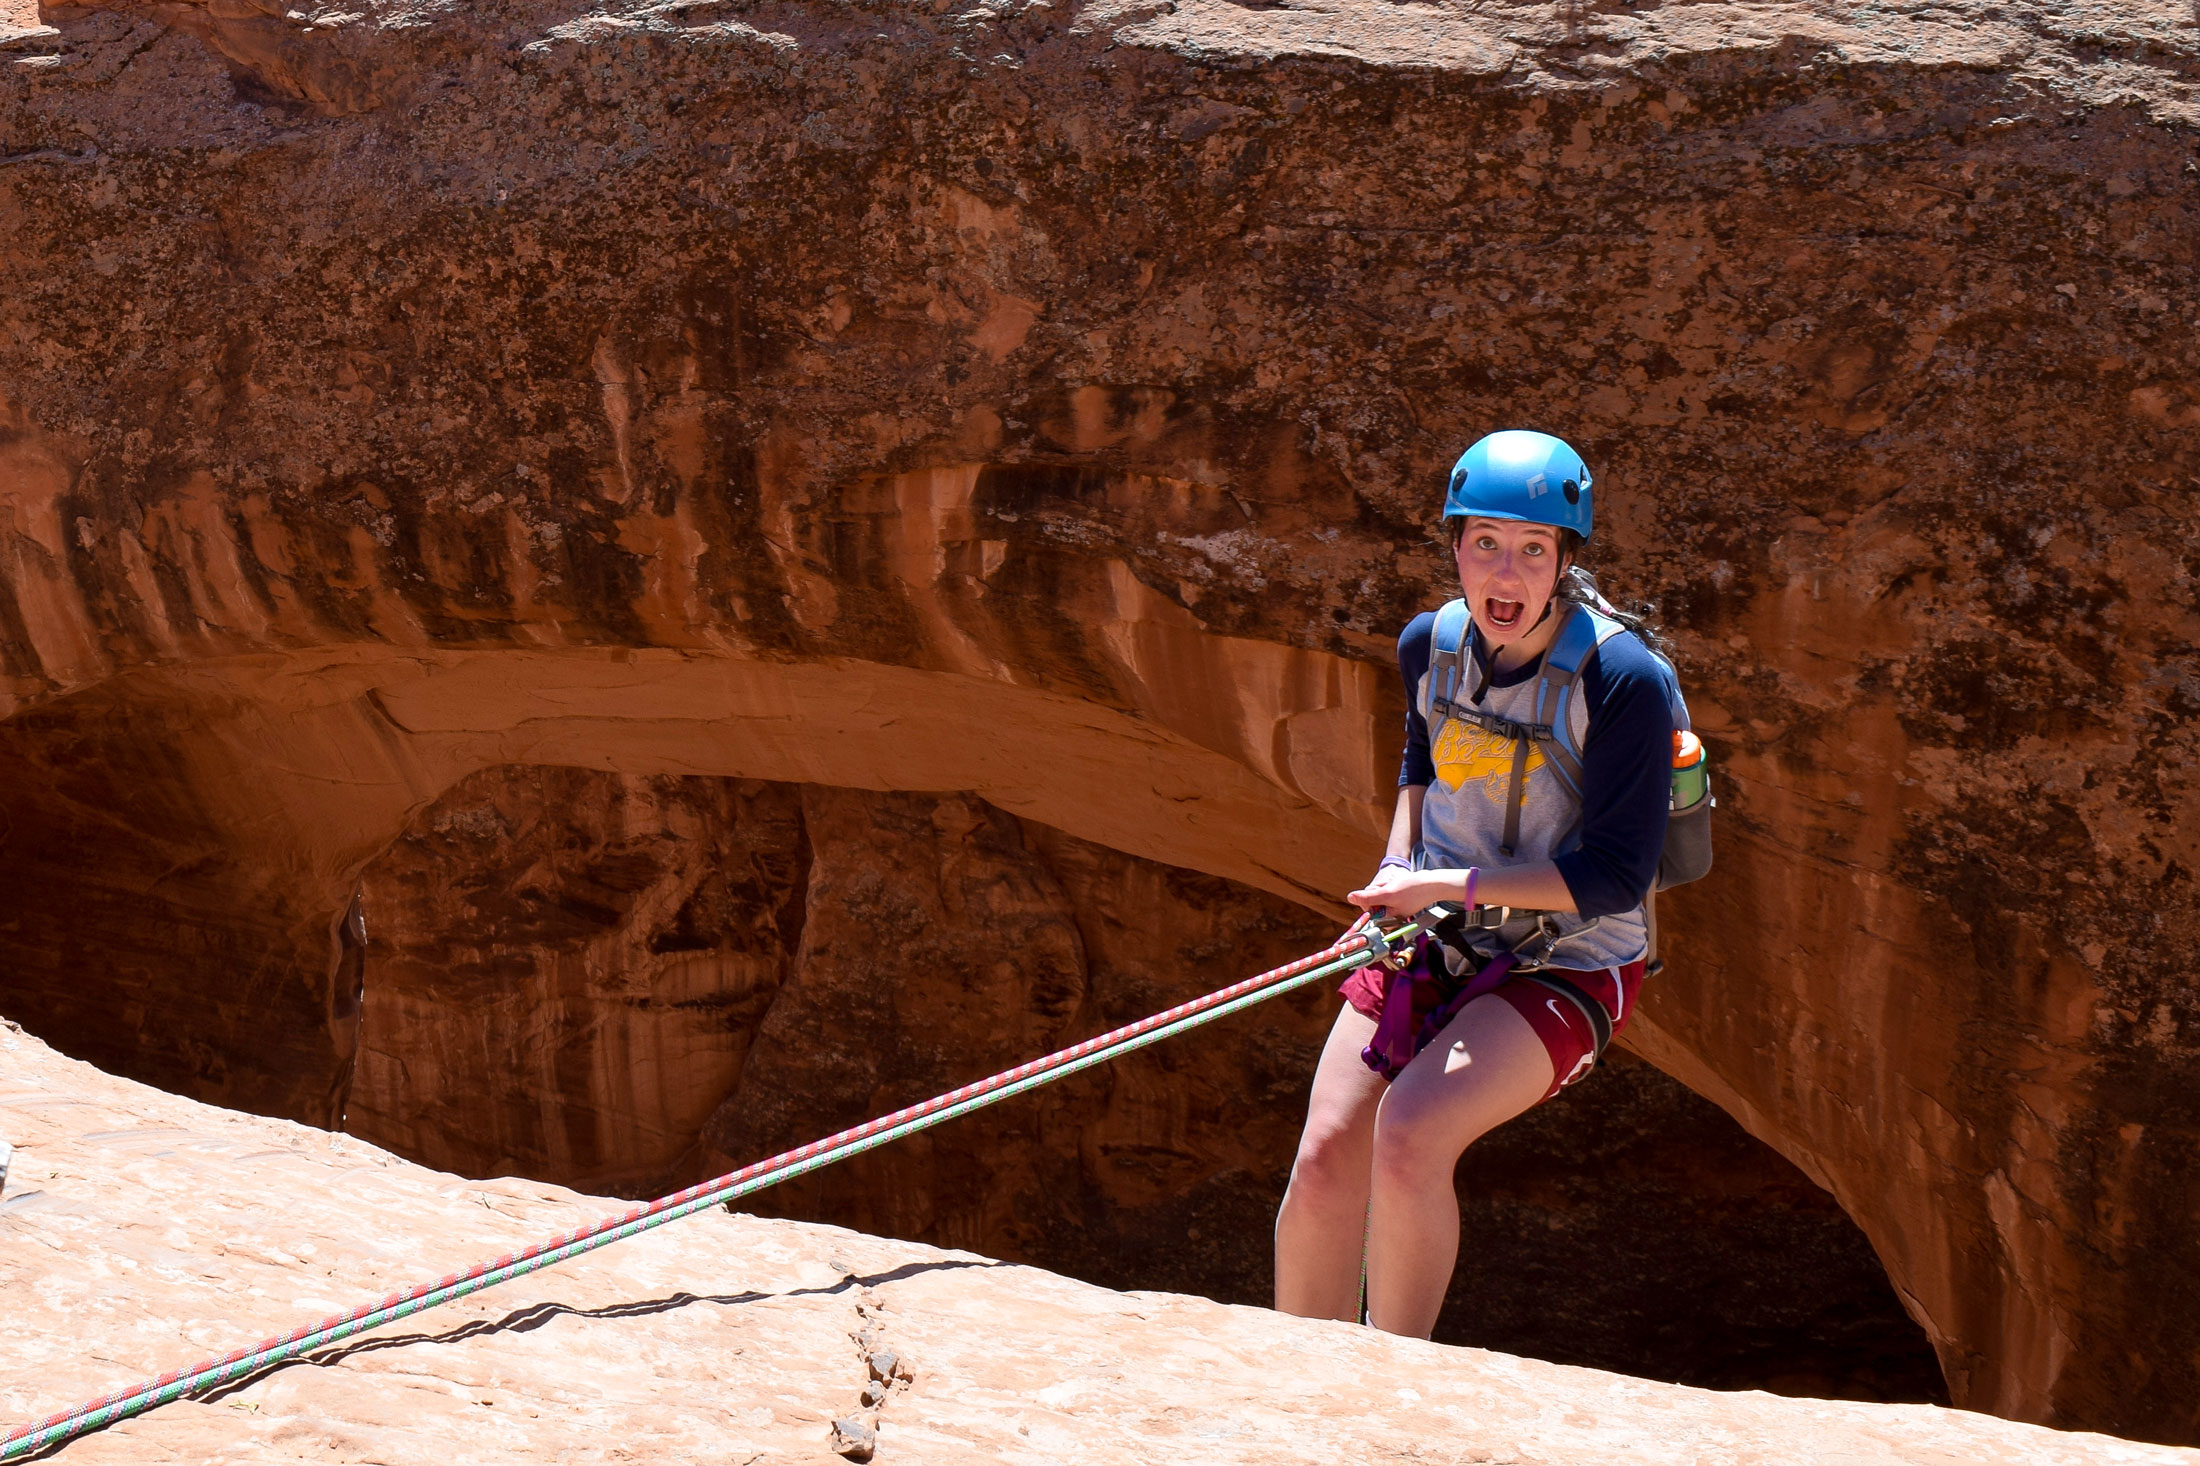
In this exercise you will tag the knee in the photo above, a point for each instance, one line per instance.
(1413, 1147)
(1331, 1166)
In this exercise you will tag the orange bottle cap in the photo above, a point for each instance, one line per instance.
(1687, 748)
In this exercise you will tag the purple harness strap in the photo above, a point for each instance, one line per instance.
(1391, 1049)
(1397, 1037)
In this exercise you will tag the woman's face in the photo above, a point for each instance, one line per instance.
(1508, 572)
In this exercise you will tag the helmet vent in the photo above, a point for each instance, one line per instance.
(1571, 490)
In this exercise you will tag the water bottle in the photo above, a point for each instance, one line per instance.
(1691, 772)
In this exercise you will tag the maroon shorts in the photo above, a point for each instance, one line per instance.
(1563, 1028)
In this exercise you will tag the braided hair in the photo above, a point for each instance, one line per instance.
(1578, 584)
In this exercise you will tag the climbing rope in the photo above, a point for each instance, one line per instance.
(1364, 943)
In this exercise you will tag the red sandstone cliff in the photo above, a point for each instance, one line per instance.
(1046, 404)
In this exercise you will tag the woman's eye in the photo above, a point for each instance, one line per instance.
(1485, 543)
(1534, 549)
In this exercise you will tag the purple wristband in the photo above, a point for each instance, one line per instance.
(1390, 860)
(1474, 874)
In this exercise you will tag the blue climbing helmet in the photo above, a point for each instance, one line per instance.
(1520, 475)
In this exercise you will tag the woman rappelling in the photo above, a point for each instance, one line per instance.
(1542, 732)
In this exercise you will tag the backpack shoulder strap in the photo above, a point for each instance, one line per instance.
(1586, 630)
(1448, 664)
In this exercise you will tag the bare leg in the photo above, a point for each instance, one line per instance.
(1323, 1220)
(1484, 1068)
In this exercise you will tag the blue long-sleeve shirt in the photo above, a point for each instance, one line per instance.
(1626, 763)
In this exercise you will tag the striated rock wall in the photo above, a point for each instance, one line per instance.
(565, 970)
(1048, 404)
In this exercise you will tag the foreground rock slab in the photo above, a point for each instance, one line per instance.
(141, 1230)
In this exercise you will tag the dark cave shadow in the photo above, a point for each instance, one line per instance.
(526, 1321)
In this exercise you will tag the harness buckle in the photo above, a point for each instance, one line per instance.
(1535, 951)
(1493, 723)
(1451, 923)
(1479, 918)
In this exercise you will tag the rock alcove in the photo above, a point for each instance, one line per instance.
(630, 984)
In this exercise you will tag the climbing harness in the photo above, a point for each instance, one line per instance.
(1363, 943)
(1407, 1027)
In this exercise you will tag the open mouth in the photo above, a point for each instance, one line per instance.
(1503, 615)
